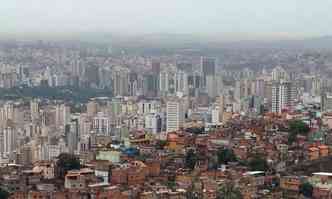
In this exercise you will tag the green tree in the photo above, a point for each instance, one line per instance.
(171, 185)
(225, 156)
(191, 159)
(195, 130)
(257, 163)
(297, 127)
(306, 189)
(4, 194)
(67, 162)
(161, 144)
(194, 191)
(229, 191)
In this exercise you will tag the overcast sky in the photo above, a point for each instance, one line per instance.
(280, 17)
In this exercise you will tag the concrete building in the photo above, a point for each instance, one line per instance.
(101, 124)
(175, 115)
(326, 102)
(153, 122)
(208, 67)
(278, 74)
(120, 78)
(283, 96)
(214, 85)
(9, 140)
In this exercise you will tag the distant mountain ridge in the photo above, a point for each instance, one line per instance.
(192, 41)
(180, 41)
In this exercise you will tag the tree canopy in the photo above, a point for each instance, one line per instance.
(4, 194)
(195, 130)
(191, 159)
(297, 127)
(257, 163)
(225, 156)
(67, 162)
(306, 189)
(160, 144)
(229, 191)
(56, 93)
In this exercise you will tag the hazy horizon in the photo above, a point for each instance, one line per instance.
(236, 19)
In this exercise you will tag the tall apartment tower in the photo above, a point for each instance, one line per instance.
(283, 96)
(175, 115)
(208, 67)
(120, 78)
(326, 99)
(34, 109)
(9, 140)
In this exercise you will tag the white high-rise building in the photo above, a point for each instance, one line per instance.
(215, 115)
(9, 140)
(7, 112)
(62, 115)
(101, 124)
(326, 101)
(243, 88)
(120, 79)
(182, 82)
(153, 122)
(92, 108)
(170, 83)
(34, 109)
(175, 115)
(214, 85)
(146, 107)
(278, 74)
(283, 96)
(163, 86)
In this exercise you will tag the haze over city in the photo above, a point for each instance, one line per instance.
(235, 19)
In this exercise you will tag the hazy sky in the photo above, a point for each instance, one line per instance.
(283, 17)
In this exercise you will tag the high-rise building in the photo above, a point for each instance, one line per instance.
(258, 87)
(115, 106)
(221, 102)
(185, 66)
(215, 115)
(168, 80)
(92, 108)
(101, 124)
(283, 96)
(208, 66)
(147, 107)
(9, 140)
(317, 85)
(153, 122)
(194, 83)
(155, 66)
(92, 75)
(7, 112)
(163, 86)
(214, 85)
(34, 109)
(150, 85)
(133, 84)
(326, 101)
(62, 115)
(175, 115)
(72, 135)
(242, 89)
(182, 82)
(278, 74)
(66, 113)
(120, 79)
